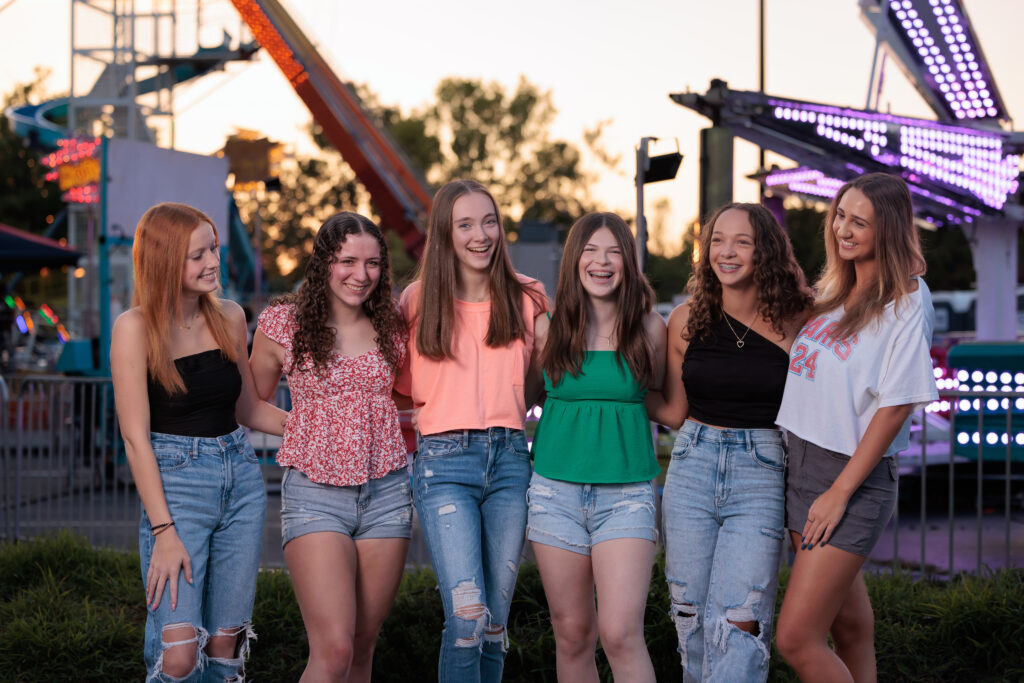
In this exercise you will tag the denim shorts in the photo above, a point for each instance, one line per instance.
(576, 517)
(380, 508)
(215, 495)
(813, 469)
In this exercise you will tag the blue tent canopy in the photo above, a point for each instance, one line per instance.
(21, 251)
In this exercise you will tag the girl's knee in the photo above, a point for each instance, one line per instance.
(789, 639)
(621, 637)
(575, 636)
(853, 625)
(336, 654)
(180, 644)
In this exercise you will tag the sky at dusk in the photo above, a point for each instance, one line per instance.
(601, 61)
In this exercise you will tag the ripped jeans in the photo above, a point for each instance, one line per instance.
(724, 512)
(469, 488)
(216, 497)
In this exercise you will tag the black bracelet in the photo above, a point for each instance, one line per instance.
(160, 527)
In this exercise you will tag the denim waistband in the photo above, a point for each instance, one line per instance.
(223, 442)
(499, 434)
(698, 430)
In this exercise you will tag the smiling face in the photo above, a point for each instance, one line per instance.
(731, 250)
(854, 227)
(600, 267)
(355, 271)
(202, 262)
(475, 232)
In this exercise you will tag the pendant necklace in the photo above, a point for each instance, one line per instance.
(739, 339)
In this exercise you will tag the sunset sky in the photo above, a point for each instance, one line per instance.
(601, 60)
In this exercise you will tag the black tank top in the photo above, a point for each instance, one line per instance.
(207, 408)
(728, 386)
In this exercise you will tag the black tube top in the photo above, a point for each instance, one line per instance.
(207, 408)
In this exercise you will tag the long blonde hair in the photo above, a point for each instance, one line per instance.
(161, 244)
(897, 253)
(438, 276)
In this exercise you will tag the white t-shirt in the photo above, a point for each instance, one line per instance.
(834, 387)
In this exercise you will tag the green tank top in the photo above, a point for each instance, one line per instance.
(594, 428)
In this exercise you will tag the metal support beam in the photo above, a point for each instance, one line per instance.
(994, 247)
(716, 169)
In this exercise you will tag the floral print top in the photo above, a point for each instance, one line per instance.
(343, 426)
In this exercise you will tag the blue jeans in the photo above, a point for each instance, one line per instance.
(469, 488)
(724, 513)
(215, 493)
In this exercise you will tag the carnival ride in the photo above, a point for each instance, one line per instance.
(963, 170)
(56, 127)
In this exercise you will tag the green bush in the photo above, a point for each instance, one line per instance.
(72, 613)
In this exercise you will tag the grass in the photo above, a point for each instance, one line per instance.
(69, 612)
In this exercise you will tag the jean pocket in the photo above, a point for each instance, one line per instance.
(770, 456)
(246, 449)
(171, 459)
(681, 448)
(519, 445)
(437, 448)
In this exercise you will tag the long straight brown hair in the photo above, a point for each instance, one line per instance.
(567, 336)
(438, 277)
(897, 253)
(161, 244)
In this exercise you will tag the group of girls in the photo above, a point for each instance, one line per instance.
(473, 345)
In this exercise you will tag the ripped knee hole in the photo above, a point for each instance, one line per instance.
(751, 627)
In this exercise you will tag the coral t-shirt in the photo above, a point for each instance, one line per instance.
(481, 386)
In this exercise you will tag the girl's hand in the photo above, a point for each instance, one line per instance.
(823, 518)
(169, 558)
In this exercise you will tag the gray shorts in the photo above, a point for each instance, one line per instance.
(812, 470)
(380, 508)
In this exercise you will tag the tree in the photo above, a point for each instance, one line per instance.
(475, 130)
(804, 224)
(27, 200)
(502, 140)
(668, 265)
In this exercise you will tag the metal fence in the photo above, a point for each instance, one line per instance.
(63, 462)
(63, 466)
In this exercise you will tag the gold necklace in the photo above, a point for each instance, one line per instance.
(739, 339)
(182, 326)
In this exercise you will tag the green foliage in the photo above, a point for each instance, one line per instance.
(69, 612)
(804, 226)
(27, 200)
(474, 130)
(669, 274)
(950, 264)
(501, 139)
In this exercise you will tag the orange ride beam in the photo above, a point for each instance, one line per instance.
(397, 188)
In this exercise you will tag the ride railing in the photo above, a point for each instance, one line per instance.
(63, 463)
(63, 466)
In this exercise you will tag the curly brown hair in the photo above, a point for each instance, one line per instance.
(314, 338)
(782, 291)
